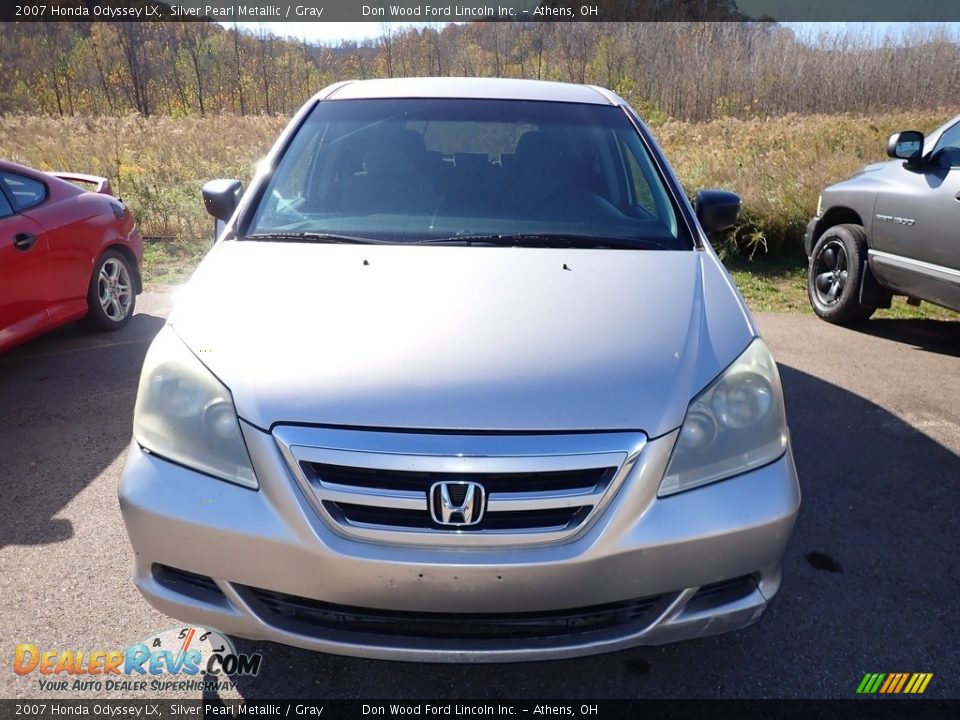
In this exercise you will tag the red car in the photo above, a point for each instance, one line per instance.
(66, 254)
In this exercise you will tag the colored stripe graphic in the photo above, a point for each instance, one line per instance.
(870, 683)
(894, 683)
(903, 679)
(918, 683)
(891, 681)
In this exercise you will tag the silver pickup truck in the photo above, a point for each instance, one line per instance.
(891, 229)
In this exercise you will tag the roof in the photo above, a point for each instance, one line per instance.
(481, 88)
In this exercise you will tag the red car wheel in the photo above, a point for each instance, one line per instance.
(112, 295)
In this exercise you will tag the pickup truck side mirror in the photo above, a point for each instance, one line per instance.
(717, 209)
(906, 145)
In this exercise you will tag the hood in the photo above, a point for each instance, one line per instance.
(876, 167)
(869, 178)
(461, 338)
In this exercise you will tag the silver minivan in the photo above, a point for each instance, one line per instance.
(461, 380)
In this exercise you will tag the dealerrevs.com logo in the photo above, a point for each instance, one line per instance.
(182, 658)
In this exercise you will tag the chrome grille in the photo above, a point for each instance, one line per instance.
(536, 488)
(515, 501)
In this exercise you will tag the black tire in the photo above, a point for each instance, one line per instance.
(835, 274)
(111, 297)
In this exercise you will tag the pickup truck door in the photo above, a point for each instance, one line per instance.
(916, 225)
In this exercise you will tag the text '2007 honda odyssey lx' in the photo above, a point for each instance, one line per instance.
(461, 380)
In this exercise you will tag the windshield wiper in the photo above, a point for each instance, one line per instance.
(552, 240)
(322, 237)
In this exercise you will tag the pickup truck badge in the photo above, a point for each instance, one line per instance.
(909, 222)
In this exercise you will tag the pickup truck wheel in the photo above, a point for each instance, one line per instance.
(835, 274)
(111, 296)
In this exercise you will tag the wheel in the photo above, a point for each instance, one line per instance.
(110, 298)
(835, 274)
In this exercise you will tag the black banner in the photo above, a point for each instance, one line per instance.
(490, 10)
(872, 709)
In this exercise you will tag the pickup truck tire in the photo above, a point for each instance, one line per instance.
(835, 274)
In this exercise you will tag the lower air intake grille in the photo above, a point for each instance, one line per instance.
(309, 617)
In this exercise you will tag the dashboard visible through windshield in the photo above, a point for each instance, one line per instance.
(414, 170)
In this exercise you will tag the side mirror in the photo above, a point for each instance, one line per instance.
(717, 209)
(906, 145)
(221, 197)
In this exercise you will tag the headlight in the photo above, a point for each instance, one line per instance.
(186, 415)
(819, 205)
(736, 424)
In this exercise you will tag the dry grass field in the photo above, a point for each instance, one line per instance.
(778, 165)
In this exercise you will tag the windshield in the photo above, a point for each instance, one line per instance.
(415, 170)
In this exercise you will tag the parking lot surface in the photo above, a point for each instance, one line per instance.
(871, 577)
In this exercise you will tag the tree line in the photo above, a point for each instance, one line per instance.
(683, 70)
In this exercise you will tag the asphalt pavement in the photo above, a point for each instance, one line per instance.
(871, 581)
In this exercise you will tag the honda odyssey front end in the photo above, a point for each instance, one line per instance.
(461, 380)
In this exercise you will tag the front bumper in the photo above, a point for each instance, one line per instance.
(244, 544)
